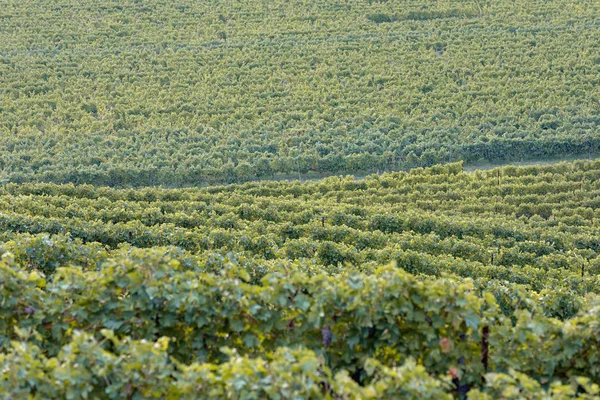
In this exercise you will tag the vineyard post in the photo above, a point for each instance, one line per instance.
(485, 347)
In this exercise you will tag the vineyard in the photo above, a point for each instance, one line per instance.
(434, 283)
(154, 245)
(188, 93)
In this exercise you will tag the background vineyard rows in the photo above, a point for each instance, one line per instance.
(423, 283)
(182, 93)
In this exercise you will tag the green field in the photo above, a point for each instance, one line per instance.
(175, 222)
(419, 284)
(187, 93)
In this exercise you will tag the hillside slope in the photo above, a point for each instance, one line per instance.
(184, 93)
